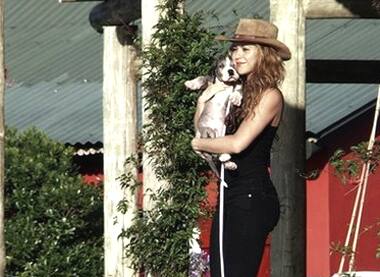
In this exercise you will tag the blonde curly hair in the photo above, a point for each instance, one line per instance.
(269, 72)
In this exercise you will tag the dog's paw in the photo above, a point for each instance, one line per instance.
(230, 165)
(236, 98)
(224, 157)
(207, 132)
(196, 83)
(191, 85)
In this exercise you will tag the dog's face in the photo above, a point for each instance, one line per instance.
(224, 70)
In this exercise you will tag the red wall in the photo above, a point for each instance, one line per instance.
(90, 167)
(317, 222)
(329, 206)
(93, 179)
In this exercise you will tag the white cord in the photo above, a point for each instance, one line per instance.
(221, 218)
(362, 187)
(221, 204)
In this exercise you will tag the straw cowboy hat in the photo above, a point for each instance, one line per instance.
(260, 32)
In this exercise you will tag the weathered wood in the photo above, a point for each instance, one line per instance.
(288, 250)
(342, 71)
(341, 9)
(149, 18)
(2, 135)
(76, 1)
(119, 127)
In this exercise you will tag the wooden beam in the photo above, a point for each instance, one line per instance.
(342, 71)
(76, 1)
(341, 9)
(288, 249)
(119, 127)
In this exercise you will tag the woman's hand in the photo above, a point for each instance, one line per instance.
(210, 91)
(194, 145)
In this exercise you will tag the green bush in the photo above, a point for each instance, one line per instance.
(54, 223)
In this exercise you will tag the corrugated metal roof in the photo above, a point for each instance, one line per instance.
(224, 15)
(71, 119)
(54, 59)
(343, 39)
(335, 39)
(45, 39)
(328, 103)
(88, 152)
(70, 113)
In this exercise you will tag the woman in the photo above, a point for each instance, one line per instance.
(251, 203)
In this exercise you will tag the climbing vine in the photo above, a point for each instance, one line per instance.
(181, 50)
(348, 170)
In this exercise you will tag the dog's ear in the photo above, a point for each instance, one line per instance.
(219, 64)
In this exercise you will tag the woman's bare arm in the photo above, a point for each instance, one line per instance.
(266, 111)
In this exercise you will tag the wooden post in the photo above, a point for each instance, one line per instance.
(149, 18)
(2, 135)
(119, 127)
(288, 249)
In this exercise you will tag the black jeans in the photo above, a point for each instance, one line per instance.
(249, 216)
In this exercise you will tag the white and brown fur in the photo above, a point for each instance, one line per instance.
(211, 122)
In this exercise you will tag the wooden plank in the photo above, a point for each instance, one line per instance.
(119, 127)
(76, 1)
(288, 250)
(341, 9)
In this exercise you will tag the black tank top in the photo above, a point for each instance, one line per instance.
(253, 162)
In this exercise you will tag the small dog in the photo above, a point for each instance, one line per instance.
(212, 119)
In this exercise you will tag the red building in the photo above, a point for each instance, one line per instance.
(330, 203)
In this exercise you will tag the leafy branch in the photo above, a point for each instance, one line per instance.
(348, 169)
(181, 49)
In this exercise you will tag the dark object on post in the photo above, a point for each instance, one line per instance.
(114, 13)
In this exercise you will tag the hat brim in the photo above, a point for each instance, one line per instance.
(282, 50)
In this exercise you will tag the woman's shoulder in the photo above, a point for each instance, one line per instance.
(272, 96)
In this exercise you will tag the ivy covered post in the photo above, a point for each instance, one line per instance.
(2, 135)
(288, 249)
(149, 18)
(179, 50)
(119, 127)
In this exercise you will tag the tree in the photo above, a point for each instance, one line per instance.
(54, 223)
